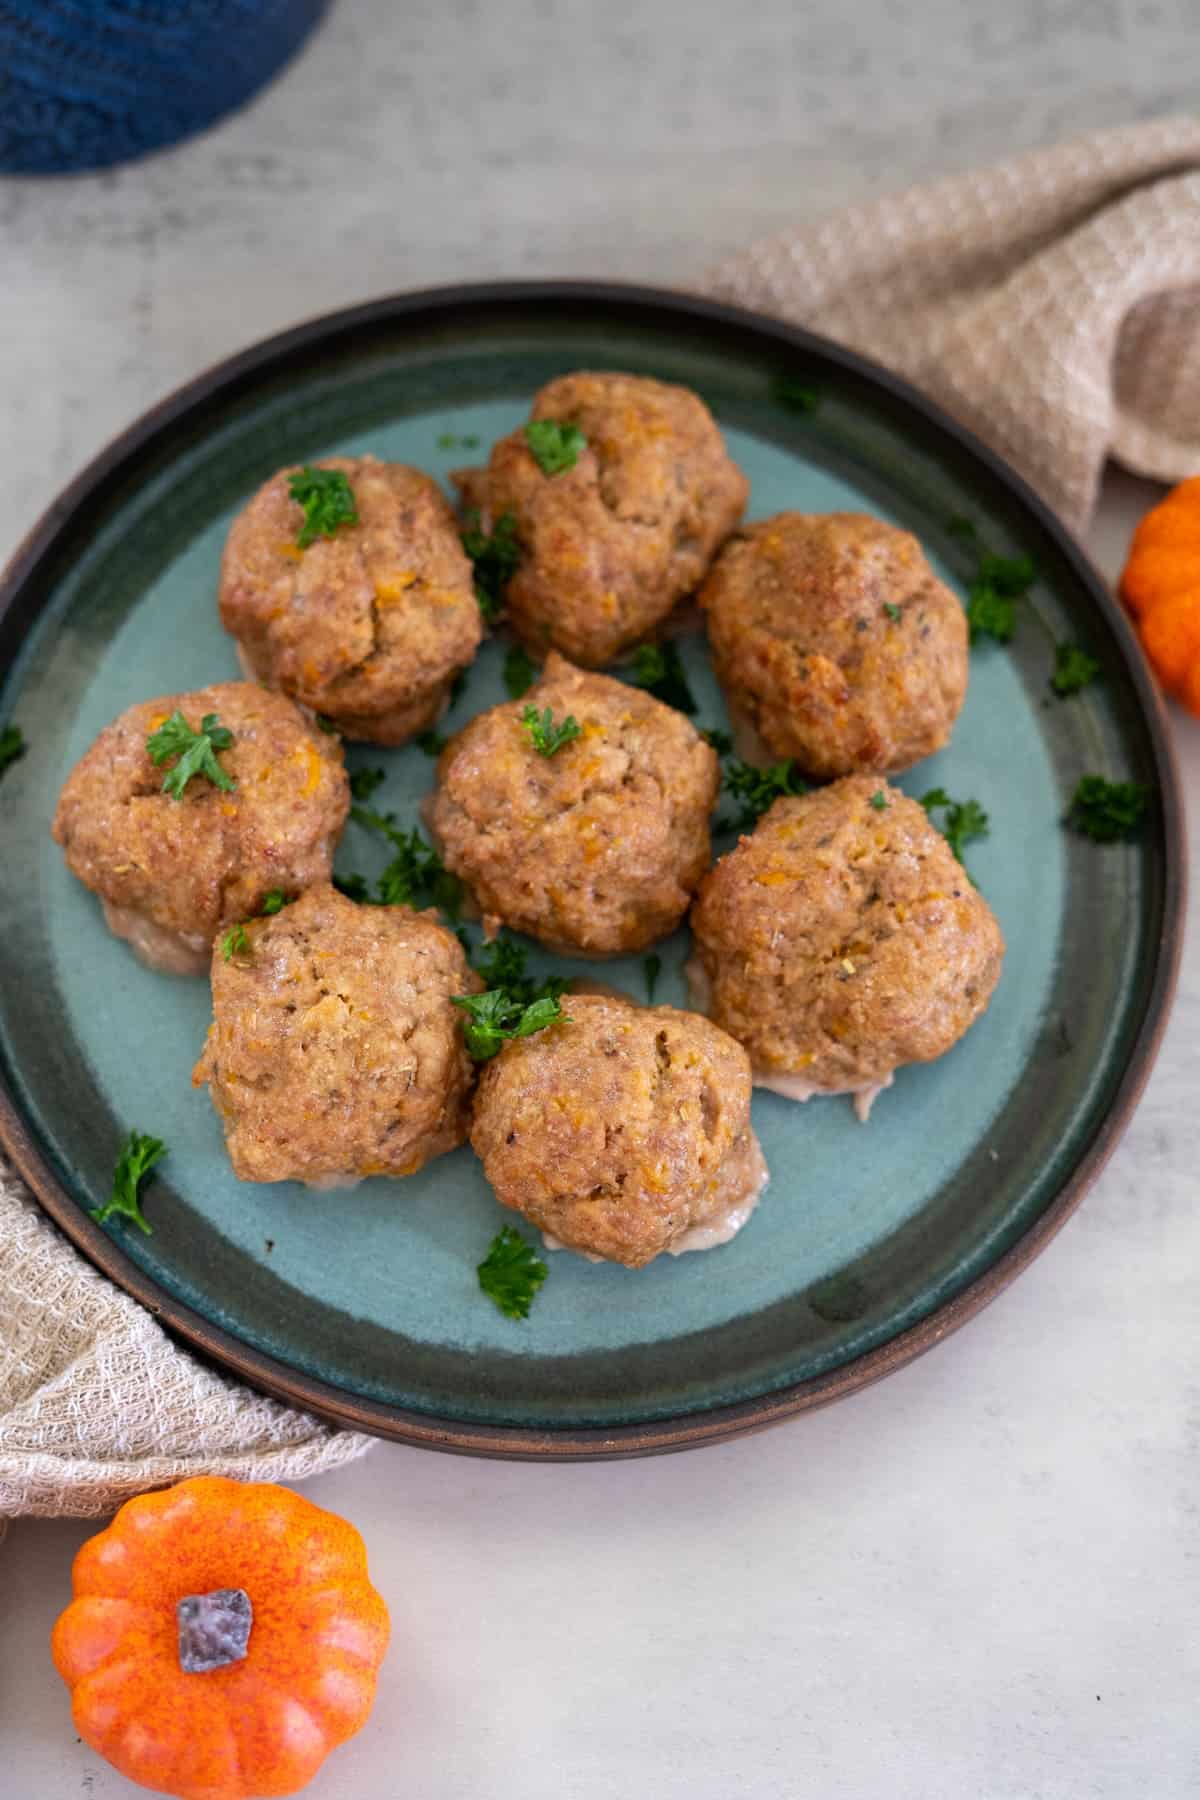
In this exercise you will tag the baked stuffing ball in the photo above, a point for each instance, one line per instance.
(368, 626)
(597, 847)
(841, 939)
(622, 1132)
(610, 543)
(335, 1051)
(172, 872)
(836, 643)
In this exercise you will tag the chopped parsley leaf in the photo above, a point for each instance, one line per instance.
(893, 612)
(990, 614)
(275, 901)
(430, 743)
(354, 887)
(757, 789)
(501, 964)
(495, 559)
(511, 1273)
(998, 583)
(520, 672)
(555, 447)
(12, 746)
(879, 800)
(133, 1165)
(363, 782)
(327, 499)
(235, 942)
(1074, 668)
(451, 440)
(546, 737)
(658, 669)
(1107, 810)
(196, 750)
(652, 969)
(965, 820)
(720, 741)
(416, 875)
(496, 1017)
(797, 396)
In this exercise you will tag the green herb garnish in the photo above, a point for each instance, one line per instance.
(12, 746)
(275, 901)
(363, 782)
(430, 743)
(450, 440)
(1107, 810)
(327, 499)
(546, 737)
(1000, 581)
(520, 671)
(965, 820)
(879, 800)
(133, 1165)
(757, 789)
(1074, 668)
(234, 942)
(196, 750)
(658, 669)
(501, 964)
(555, 447)
(894, 613)
(797, 396)
(496, 1017)
(511, 1273)
(326, 725)
(651, 969)
(354, 887)
(416, 875)
(962, 528)
(494, 558)
(720, 741)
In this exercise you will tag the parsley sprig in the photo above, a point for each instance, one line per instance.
(554, 446)
(511, 1273)
(964, 821)
(12, 746)
(546, 737)
(520, 672)
(196, 750)
(363, 782)
(998, 583)
(133, 1165)
(1107, 810)
(1074, 668)
(327, 499)
(494, 559)
(495, 1018)
(502, 964)
(416, 875)
(658, 669)
(756, 790)
(234, 943)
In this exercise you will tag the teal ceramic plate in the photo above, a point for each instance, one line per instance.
(872, 1241)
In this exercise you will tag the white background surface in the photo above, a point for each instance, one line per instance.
(981, 1580)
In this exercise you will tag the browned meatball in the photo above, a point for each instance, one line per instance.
(841, 939)
(610, 545)
(622, 1132)
(836, 643)
(598, 847)
(368, 627)
(335, 1051)
(171, 873)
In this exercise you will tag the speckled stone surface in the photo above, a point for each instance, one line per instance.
(980, 1578)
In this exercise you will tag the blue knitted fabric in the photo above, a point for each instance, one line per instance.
(86, 83)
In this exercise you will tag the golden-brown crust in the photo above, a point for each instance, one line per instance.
(842, 939)
(195, 864)
(608, 547)
(335, 1051)
(368, 627)
(811, 656)
(598, 847)
(615, 1131)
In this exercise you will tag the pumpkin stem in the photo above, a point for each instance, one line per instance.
(214, 1629)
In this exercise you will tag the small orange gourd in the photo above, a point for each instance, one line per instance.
(1161, 587)
(223, 1638)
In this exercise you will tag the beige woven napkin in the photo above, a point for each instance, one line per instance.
(1053, 303)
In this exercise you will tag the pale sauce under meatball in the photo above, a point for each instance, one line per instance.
(836, 643)
(335, 1050)
(172, 872)
(622, 1132)
(367, 627)
(596, 848)
(841, 939)
(609, 546)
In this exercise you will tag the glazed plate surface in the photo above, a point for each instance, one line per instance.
(872, 1241)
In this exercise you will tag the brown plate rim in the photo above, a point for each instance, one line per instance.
(720, 1423)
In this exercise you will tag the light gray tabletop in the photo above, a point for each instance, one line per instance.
(982, 1578)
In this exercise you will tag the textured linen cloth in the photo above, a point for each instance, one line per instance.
(1052, 303)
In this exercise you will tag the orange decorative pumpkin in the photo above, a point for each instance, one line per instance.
(1161, 587)
(223, 1638)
